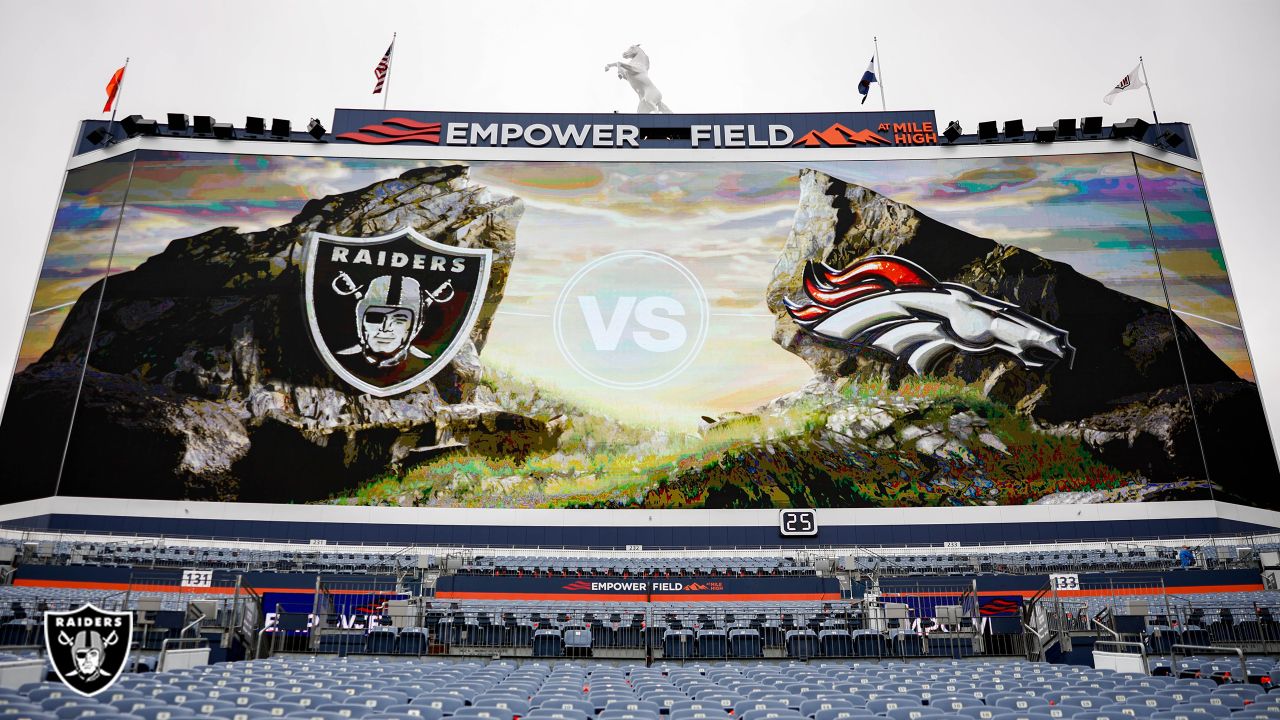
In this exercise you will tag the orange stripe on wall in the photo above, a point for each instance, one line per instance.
(220, 590)
(1102, 592)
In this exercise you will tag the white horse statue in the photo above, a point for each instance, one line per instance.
(634, 68)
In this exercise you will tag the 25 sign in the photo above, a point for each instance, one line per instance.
(793, 523)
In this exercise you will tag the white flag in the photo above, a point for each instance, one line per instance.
(1128, 82)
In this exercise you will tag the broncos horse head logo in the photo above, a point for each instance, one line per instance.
(896, 306)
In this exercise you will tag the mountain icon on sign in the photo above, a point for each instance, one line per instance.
(839, 136)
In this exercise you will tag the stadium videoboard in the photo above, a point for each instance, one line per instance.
(832, 333)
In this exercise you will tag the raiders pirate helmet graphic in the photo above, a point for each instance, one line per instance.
(896, 306)
(88, 646)
(388, 316)
(386, 313)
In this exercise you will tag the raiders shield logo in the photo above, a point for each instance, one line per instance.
(88, 647)
(387, 313)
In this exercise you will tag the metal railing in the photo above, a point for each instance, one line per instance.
(1244, 666)
(345, 616)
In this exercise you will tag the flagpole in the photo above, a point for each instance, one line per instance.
(386, 93)
(1150, 99)
(119, 96)
(879, 72)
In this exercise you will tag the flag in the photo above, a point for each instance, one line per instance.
(113, 88)
(1129, 82)
(383, 66)
(868, 77)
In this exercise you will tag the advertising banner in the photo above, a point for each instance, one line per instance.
(612, 588)
(640, 132)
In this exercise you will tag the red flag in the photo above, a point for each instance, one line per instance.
(113, 88)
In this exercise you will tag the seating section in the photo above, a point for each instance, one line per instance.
(796, 629)
(307, 688)
(248, 557)
(887, 562)
(635, 567)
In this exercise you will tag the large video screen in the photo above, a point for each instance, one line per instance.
(890, 333)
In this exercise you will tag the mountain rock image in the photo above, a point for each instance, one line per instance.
(202, 382)
(1129, 392)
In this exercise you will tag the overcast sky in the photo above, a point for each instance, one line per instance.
(1211, 65)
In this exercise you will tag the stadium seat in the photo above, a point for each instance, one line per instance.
(835, 643)
(854, 713)
(802, 644)
(745, 643)
(678, 643)
(869, 644)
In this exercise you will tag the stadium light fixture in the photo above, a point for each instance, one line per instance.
(97, 136)
(1066, 128)
(255, 126)
(1135, 128)
(136, 125)
(1013, 129)
(202, 125)
(1046, 133)
(316, 129)
(280, 128)
(1171, 138)
(1091, 126)
(178, 123)
(953, 131)
(987, 131)
(224, 131)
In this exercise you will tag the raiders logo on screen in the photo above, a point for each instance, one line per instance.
(388, 312)
(88, 646)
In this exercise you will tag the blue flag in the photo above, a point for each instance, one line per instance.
(868, 77)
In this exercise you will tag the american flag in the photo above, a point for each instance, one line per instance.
(383, 66)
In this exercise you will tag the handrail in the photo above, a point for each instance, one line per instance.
(193, 623)
(1112, 633)
(1244, 667)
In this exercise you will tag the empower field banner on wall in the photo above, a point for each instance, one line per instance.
(937, 331)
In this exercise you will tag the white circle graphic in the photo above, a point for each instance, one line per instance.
(631, 319)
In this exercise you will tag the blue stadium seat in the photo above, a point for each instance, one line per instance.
(854, 713)
(981, 712)
(954, 703)
(351, 712)
(809, 708)
(554, 714)
(801, 644)
(1211, 709)
(745, 643)
(882, 705)
(1019, 702)
(869, 644)
(915, 713)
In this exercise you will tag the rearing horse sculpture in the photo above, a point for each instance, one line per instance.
(634, 68)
